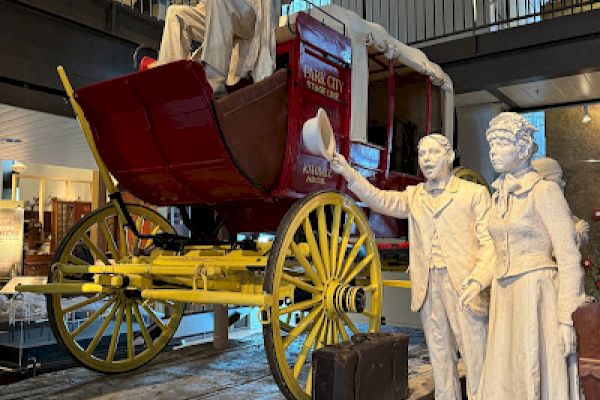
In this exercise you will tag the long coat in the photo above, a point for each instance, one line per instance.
(460, 219)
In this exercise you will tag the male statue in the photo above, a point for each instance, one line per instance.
(451, 256)
(237, 38)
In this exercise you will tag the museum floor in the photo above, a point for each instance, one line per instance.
(198, 372)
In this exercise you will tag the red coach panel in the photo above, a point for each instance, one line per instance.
(157, 134)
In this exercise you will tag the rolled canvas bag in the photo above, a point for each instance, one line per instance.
(370, 366)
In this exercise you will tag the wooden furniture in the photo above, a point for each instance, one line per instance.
(64, 215)
(37, 265)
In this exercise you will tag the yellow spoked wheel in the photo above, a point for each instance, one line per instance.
(471, 175)
(113, 331)
(324, 269)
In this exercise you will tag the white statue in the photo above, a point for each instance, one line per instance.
(451, 255)
(538, 279)
(237, 38)
(550, 170)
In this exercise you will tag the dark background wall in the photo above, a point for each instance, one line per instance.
(93, 39)
(572, 144)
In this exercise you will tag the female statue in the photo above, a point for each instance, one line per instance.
(538, 277)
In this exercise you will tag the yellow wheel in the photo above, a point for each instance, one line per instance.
(471, 175)
(114, 331)
(324, 268)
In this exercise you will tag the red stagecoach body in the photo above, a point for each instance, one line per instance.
(167, 141)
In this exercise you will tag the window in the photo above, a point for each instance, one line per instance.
(301, 5)
(538, 120)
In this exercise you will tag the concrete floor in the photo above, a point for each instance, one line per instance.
(198, 372)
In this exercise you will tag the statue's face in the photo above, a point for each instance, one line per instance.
(504, 155)
(434, 160)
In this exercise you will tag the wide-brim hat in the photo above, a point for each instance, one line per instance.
(317, 135)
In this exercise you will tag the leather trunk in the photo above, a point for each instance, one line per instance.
(587, 324)
(370, 367)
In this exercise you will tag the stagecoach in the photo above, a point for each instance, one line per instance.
(240, 164)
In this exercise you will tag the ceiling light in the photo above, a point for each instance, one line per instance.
(10, 140)
(586, 115)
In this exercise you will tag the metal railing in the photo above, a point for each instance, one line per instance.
(422, 21)
(158, 8)
(155, 8)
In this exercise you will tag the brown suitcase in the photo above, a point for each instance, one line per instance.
(587, 325)
(371, 367)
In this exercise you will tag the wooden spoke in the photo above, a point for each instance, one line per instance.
(122, 238)
(112, 248)
(323, 241)
(318, 344)
(149, 241)
(350, 324)
(305, 265)
(370, 288)
(114, 340)
(128, 321)
(92, 346)
(308, 343)
(353, 253)
(84, 303)
(92, 318)
(140, 321)
(94, 249)
(335, 236)
(330, 332)
(342, 330)
(304, 305)
(344, 245)
(322, 334)
(334, 331)
(76, 260)
(358, 269)
(154, 317)
(308, 385)
(300, 283)
(139, 225)
(314, 250)
(166, 303)
(301, 327)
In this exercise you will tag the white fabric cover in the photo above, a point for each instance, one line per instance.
(362, 34)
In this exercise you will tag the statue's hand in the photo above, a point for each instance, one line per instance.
(582, 229)
(567, 339)
(340, 166)
(472, 288)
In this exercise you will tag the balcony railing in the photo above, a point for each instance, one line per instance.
(157, 8)
(418, 22)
